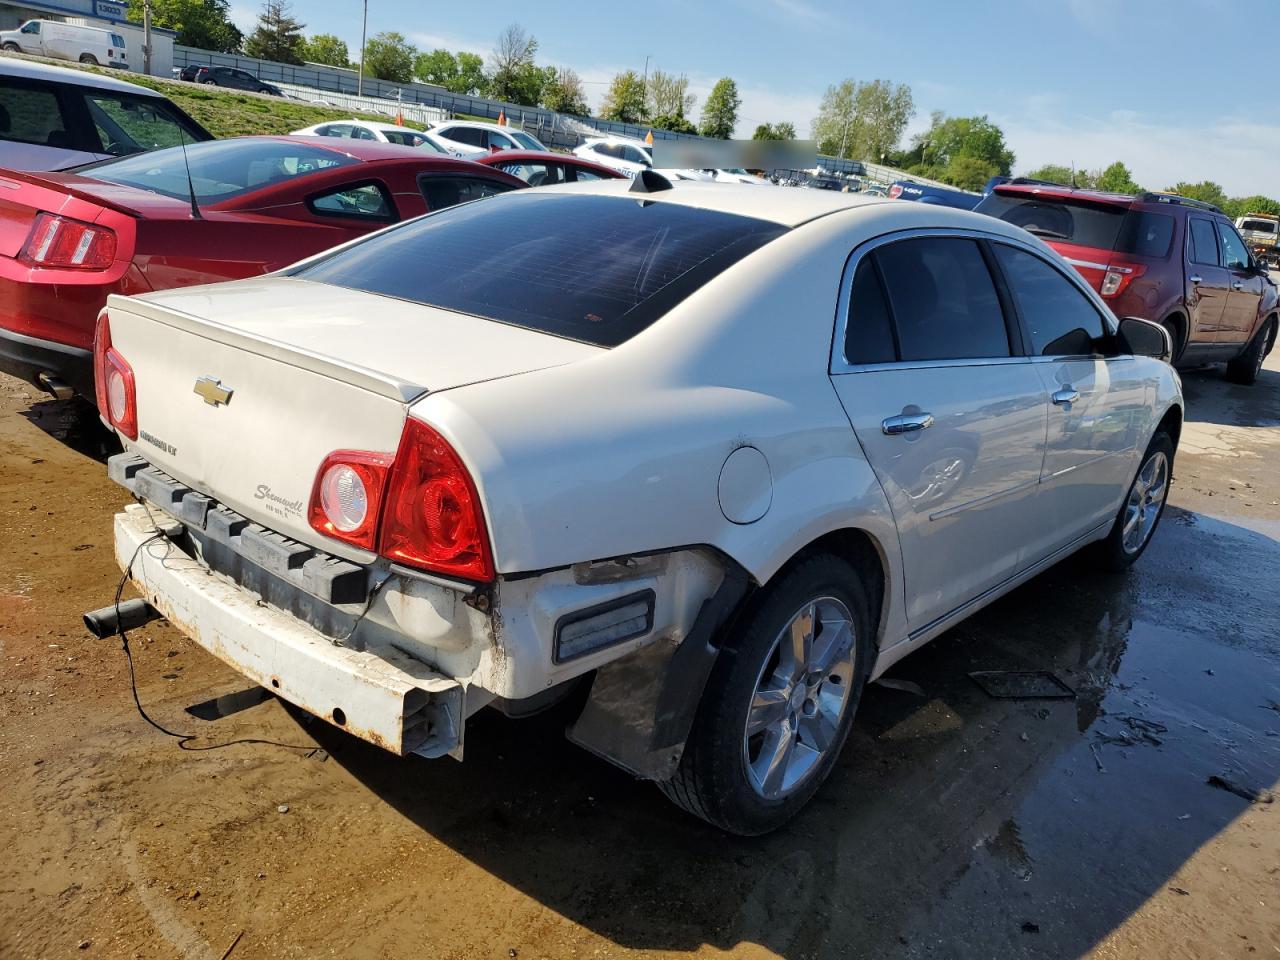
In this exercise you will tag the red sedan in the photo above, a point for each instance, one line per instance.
(538, 168)
(225, 210)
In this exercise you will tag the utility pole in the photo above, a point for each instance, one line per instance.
(646, 72)
(146, 37)
(364, 28)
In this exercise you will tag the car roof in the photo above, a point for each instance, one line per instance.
(789, 206)
(30, 70)
(479, 125)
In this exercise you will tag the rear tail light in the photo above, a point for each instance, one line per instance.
(347, 498)
(58, 242)
(1118, 277)
(113, 382)
(420, 509)
(433, 518)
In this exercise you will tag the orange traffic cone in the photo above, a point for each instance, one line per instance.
(502, 118)
(399, 119)
(648, 138)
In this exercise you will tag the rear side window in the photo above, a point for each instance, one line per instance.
(367, 201)
(117, 40)
(468, 135)
(868, 333)
(589, 268)
(1204, 242)
(1059, 318)
(1145, 234)
(30, 114)
(446, 191)
(943, 300)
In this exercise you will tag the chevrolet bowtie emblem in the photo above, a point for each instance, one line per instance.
(212, 391)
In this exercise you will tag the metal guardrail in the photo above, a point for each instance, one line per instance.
(412, 112)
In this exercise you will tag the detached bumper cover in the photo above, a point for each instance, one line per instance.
(379, 695)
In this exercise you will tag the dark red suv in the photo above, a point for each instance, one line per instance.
(1175, 261)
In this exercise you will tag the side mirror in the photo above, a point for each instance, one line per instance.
(1142, 338)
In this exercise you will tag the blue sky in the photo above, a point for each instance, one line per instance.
(1163, 86)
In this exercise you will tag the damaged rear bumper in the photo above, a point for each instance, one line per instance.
(378, 694)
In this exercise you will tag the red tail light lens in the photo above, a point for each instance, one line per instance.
(433, 518)
(347, 497)
(1118, 277)
(113, 382)
(58, 242)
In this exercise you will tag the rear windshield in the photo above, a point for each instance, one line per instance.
(1103, 226)
(219, 169)
(589, 268)
(1261, 226)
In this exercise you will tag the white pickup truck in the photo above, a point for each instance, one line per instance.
(1261, 231)
(722, 453)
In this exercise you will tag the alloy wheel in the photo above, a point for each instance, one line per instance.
(1146, 498)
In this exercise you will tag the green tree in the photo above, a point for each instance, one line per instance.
(1057, 173)
(720, 112)
(1117, 179)
(675, 122)
(327, 49)
(1242, 206)
(968, 173)
(625, 99)
(389, 56)
(514, 76)
(1206, 191)
(668, 95)
(863, 119)
(775, 131)
(200, 23)
(951, 137)
(563, 93)
(278, 35)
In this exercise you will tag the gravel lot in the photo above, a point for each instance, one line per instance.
(955, 824)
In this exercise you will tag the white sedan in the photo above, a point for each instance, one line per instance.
(470, 139)
(720, 454)
(367, 130)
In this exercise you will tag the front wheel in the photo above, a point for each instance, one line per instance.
(780, 701)
(1245, 368)
(11, 48)
(1142, 508)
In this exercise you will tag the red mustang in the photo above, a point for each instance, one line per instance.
(538, 168)
(228, 209)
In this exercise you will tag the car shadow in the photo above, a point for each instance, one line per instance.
(75, 423)
(1211, 398)
(954, 824)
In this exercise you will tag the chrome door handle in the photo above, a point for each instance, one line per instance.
(1196, 280)
(907, 423)
(1066, 395)
(1237, 285)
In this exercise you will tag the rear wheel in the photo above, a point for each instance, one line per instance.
(1246, 367)
(1173, 326)
(780, 702)
(89, 58)
(1142, 508)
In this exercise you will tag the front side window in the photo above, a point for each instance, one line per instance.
(498, 141)
(468, 135)
(33, 114)
(128, 125)
(1204, 242)
(582, 173)
(526, 141)
(1059, 318)
(220, 169)
(406, 138)
(943, 300)
(449, 191)
(1234, 253)
(367, 201)
(33, 27)
(588, 268)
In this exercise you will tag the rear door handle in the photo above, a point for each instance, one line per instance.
(1237, 285)
(1196, 279)
(907, 423)
(1066, 395)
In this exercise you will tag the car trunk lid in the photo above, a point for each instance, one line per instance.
(306, 369)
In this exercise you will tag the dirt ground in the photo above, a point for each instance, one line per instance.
(955, 825)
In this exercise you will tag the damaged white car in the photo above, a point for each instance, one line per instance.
(723, 454)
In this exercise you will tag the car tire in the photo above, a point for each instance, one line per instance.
(1173, 327)
(89, 58)
(1143, 506)
(1245, 368)
(726, 776)
(11, 48)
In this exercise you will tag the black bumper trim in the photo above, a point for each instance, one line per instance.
(28, 357)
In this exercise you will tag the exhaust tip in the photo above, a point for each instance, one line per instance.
(110, 620)
(60, 389)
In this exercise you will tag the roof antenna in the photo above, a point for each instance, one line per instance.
(191, 190)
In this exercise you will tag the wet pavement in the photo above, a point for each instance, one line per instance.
(955, 825)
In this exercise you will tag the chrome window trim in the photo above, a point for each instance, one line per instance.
(839, 365)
